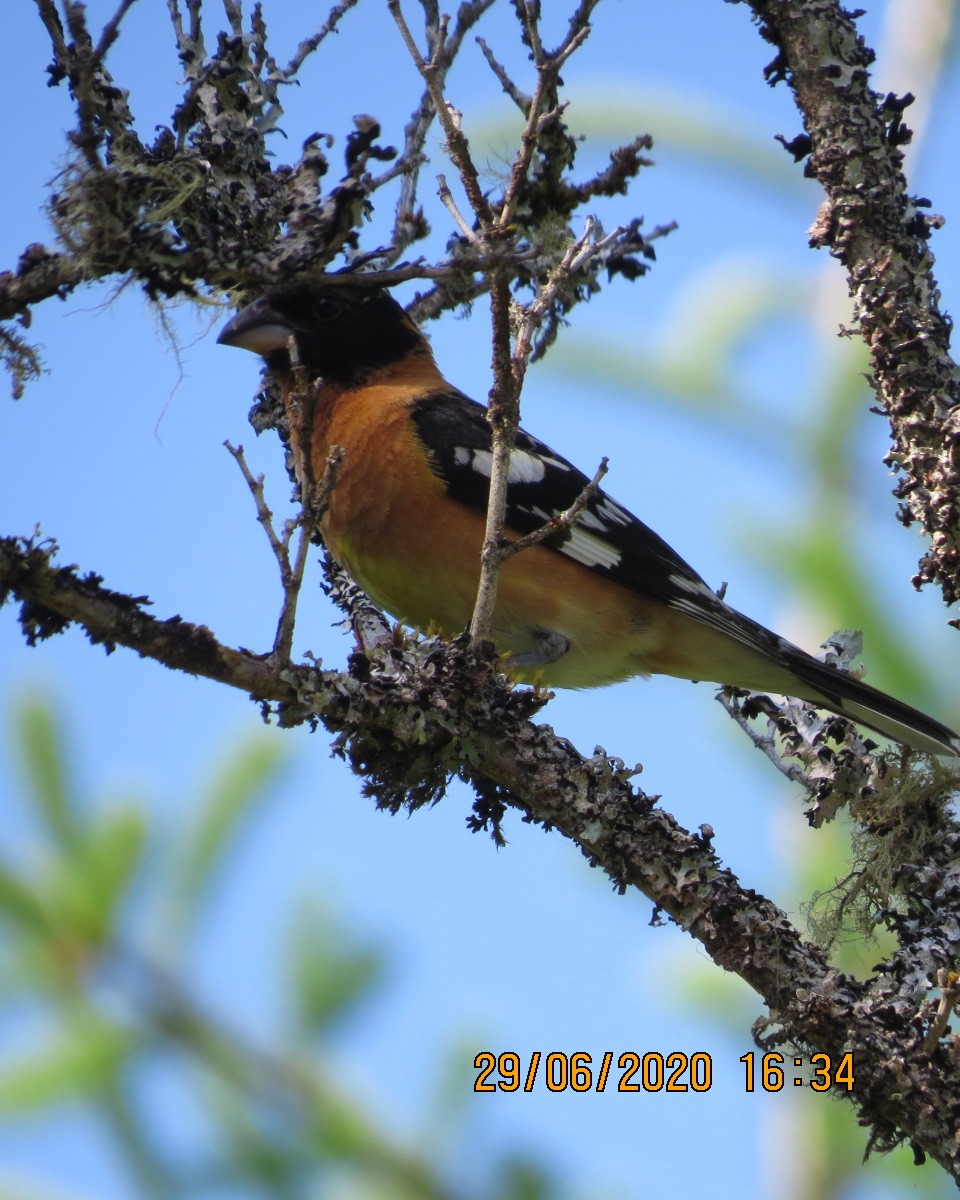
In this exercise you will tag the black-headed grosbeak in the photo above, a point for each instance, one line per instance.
(597, 603)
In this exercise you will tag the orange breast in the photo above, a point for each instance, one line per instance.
(416, 553)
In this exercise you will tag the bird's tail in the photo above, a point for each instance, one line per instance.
(744, 654)
(850, 697)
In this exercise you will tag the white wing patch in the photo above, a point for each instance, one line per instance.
(589, 549)
(604, 515)
(693, 587)
(524, 466)
(480, 460)
(557, 463)
(591, 521)
(607, 511)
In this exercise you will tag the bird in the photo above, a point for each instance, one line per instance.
(595, 603)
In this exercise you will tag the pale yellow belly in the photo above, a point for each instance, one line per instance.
(539, 592)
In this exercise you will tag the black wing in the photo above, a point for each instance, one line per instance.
(605, 537)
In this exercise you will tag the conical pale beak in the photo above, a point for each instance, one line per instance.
(258, 328)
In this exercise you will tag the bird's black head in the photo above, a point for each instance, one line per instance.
(342, 332)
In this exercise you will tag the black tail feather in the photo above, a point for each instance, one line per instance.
(850, 697)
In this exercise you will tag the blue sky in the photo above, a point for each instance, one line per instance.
(117, 452)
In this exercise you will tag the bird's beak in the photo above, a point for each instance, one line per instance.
(258, 327)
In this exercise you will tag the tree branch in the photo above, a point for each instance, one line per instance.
(312, 508)
(412, 717)
(53, 597)
(881, 235)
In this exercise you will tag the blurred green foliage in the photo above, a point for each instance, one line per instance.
(91, 887)
(273, 1121)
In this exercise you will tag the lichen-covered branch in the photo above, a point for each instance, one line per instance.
(871, 223)
(205, 207)
(416, 714)
(829, 757)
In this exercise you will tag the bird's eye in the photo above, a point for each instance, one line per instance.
(327, 308)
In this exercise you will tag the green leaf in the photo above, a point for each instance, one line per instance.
(81, 1059)
(48, 945)
(21, 903)
(112, 852)
(329, 975)
(41, 750)
(244, 777)
(252, 1149)
(522, 1178)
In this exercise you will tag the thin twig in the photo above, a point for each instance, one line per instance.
(519, 98)
(547, 72)
(234, 14)
(559, 522)
(457, 145)
(764, 743)
(446, 196)
(278, 545)
(580, 17)
(512, 325)
(496, 553)
(111, 32)
(307, 521)
(176, 20)
(529, 16)
(307, 47)
(503, 415)
(576, 256)
(445, 45)
(54, 27)
(949, 984)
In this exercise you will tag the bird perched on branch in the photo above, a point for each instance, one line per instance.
(595, 603)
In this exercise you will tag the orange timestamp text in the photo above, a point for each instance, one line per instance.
(653, 1072)
(577, 1072)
